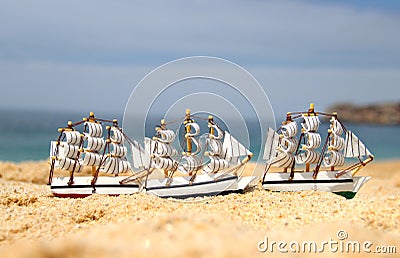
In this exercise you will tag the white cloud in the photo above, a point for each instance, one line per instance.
(272, 32)
(54, 86)
(98, 50)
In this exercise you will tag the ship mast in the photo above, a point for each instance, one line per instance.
(91, 120)
(280, 148)
(187, 122)
(163, 126)
(330, 131)
(215, 149)
(210, 124)
(333, 146)
(308, 153)
(70, 148)
(311, 112)
(114, 162)
(288, 120)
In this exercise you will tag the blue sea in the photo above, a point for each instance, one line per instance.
(26, 135)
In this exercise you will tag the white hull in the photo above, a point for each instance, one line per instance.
(82, 186)
(203, 185)
(325, 181)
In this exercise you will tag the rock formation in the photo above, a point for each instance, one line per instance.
(383, 113)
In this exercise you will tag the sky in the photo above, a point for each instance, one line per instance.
(89, 55)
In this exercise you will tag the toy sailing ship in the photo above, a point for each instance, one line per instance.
(75, 150)
(198, 176)
(195, 172)
(284, 150)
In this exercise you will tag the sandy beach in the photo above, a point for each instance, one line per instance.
(33, 223)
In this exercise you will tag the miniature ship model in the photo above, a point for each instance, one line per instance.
(75, 150)
(198, 176)
(285, 151)
(200, 172)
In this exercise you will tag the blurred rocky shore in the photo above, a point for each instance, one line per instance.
(383, 113)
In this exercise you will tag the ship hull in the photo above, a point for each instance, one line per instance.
(203, 185)
(346, 185)
(82, 187)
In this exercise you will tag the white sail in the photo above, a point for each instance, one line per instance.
(149, 145)
(233, 148)
(282, 159)
(196, 128)
(164, 163)
(216, 164)
(70, 164)
(314, 140)
(190, 164)
(69, 151)
(354, 147)
(118, 150)
(140, 156)
(94, 129)
(115, 166)
(111, 166)
(196, 143)
(95, 144)
(161, 152)
(53, 153)
(117, 136)
(308, 157)
(159, 149)
(336, 127)
(215, 150)
(333, 158)
(311, 123)
(166, 136)
(220, 133)
(92, 159)
(215, 147)
(271, 145)
(288, 145)
(289, 130)
(337, 143)
(72, 138)
(53, 148)
(124, 166)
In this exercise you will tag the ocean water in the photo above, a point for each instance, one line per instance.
(26, 135)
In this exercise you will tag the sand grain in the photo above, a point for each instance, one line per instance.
(222, 226)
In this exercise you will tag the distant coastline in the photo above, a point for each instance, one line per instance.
(25, 135)
(382, 113)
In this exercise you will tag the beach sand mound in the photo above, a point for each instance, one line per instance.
(34, 223)
(202, 235)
